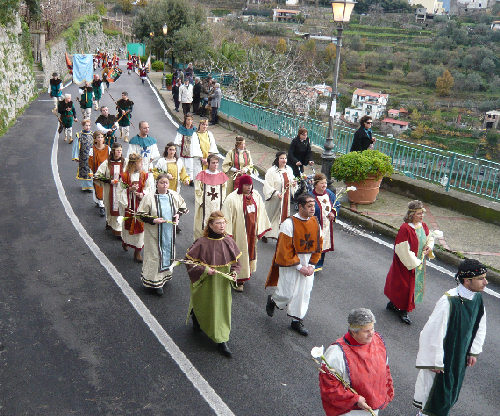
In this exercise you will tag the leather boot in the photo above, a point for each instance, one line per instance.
(298, 326)
(224, 350)
(270, 306)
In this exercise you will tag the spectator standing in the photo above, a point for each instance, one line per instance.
(189, 72)
(175, 93)
(186, 96)
(215, 99)
(363, 136)
(300, 153)
(196, 95)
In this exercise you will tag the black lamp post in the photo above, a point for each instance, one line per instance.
(163, 80)
(342, 10)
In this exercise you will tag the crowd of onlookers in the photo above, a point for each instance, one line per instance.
(195, 95)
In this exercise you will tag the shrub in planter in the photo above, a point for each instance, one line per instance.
(168, 78)
(157, 66)
(365, 171)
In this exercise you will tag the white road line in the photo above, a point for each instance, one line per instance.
(341, 223)
(206, 391)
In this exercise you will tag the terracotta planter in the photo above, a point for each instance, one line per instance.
(169, 87)
(366, 191)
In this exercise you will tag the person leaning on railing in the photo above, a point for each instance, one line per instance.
(363, 138)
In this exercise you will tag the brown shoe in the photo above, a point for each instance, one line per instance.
(124, 246)
(70, 140)
(238, 288)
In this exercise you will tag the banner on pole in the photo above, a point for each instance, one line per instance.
(83, 68)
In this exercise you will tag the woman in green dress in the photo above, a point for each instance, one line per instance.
(212, 265)
(404, 285)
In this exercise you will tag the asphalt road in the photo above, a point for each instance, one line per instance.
(73, 343)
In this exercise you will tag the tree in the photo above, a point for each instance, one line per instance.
(419, 132)
(190, 43)
(474, 81)
(444, 83)
(175, 13)
(415, 115)
(281, 46)
(397, 75)
(330, 53)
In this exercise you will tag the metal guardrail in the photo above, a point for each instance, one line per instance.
(452, 170)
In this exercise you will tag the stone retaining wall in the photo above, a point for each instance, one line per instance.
(17, 81)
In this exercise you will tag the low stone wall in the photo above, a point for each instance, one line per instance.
(17, 81)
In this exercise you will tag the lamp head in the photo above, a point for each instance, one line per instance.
(165, 29)
(151, 34)
(342, 10)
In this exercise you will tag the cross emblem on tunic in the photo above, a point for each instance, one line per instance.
(306, 242)
(212, 194)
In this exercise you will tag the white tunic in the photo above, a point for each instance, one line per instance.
(275, 184)
(294, 289)
(149, 156)
(431, 351)
(134, 240)
(104, 170)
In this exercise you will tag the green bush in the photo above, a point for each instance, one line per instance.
(169, 78)
(157, 66)
(358, 166)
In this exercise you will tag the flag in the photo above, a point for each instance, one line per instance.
(69, 64)
(83, 68)
(114, 74)
(148, 64)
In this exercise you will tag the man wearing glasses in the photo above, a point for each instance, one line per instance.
(363, 137)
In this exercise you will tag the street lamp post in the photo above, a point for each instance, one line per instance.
(342, 10)
(163, 80)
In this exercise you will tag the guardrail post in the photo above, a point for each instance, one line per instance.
(452, 165)
(394, 147)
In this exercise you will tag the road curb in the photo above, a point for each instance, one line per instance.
(442, 254)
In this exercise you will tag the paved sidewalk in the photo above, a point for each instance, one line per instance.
(464, 235)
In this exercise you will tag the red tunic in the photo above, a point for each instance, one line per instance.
(369, 374)
(400, 282)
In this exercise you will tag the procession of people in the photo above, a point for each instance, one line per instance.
(142, 197)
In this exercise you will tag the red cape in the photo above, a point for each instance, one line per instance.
(400, 282)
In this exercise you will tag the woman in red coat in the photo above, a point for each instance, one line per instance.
(404, 285)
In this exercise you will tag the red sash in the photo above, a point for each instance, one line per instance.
(132, 224)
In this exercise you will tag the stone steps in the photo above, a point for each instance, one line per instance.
(39, 76)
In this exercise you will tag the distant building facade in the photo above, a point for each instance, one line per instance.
(396, 126)
(491, 119)
(366, 102)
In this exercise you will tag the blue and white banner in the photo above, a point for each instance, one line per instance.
(83, 68)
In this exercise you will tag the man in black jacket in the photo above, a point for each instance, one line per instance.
(363, 137)
(175, 93)
(196, 95)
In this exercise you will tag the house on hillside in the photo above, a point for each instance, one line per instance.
(491, 119)
(365, 102)
(433, 7)
(285, 15)
(396, 126)
(393, 113)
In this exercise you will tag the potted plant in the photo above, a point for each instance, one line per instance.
(365, 171)
(168, 80)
